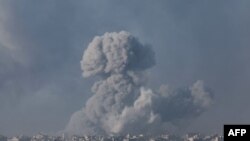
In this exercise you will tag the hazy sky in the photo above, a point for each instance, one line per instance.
(42, 42)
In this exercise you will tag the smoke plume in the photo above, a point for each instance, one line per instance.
(121, 102)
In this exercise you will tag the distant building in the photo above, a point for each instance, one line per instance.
(3, 138)
(13, 139)
(141, 137)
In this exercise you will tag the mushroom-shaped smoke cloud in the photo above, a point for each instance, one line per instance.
(120, 102)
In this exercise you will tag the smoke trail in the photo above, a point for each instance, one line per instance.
(120, 102)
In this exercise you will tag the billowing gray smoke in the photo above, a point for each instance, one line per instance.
(121, 103)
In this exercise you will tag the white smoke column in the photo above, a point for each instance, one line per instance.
(121, 103)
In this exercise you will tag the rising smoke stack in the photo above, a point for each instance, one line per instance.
(121, 103)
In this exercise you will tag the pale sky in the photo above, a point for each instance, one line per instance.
(42, 42)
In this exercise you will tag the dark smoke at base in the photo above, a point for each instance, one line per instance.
(121, 102)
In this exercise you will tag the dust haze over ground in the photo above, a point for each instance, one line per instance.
(121, 102)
